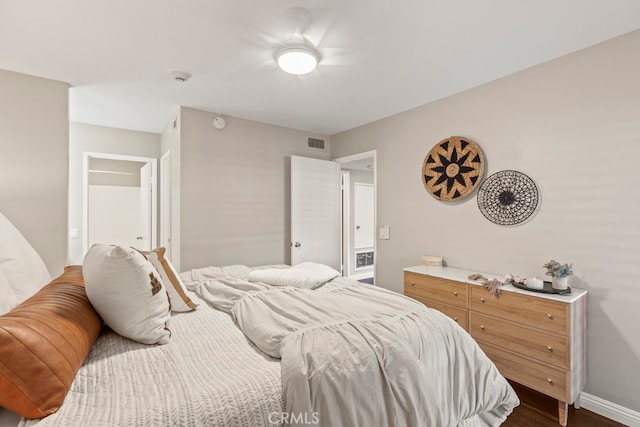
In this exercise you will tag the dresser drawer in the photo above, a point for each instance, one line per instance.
(550, 381)
(538, 313)
(542, 346)
(436, 289)
(460, 315)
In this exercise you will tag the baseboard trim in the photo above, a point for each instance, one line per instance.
(610, 410)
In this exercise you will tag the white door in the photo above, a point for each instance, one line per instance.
(114, 215)
(165, 203)
(123, 171)
(144, 236)
(315, 211)
(363, 215)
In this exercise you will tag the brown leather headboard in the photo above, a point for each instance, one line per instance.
(43, 343)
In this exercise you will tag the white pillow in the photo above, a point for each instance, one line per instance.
(22, 266)
(307, 275)
(180, 301)
(127, 292)
(8, 298)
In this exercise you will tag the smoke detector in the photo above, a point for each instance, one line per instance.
(180, 76)
(219, 123)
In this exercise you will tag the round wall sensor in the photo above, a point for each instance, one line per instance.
(219, 123)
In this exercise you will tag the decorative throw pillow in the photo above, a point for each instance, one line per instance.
(128, 293)
(8, 298)
(176, 289)
(43, 343)
(22, 266)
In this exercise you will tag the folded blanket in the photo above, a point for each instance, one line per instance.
(307, 275)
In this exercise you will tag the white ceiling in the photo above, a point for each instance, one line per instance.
(379, 57)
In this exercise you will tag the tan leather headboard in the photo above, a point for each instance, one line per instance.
(43, 343)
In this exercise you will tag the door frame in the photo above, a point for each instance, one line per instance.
(86, 156)
(345, 223)
(360, 156)
(165, 204)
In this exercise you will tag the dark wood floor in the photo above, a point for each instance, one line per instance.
(538, 410)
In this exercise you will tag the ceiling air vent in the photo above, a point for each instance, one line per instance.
(315, 143)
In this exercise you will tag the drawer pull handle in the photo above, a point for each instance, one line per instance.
(550, 381)
(413, 283)
(455, 318)
(455, 294)
(550, 348)
(482, 300)
(550, 316)
(482, 327)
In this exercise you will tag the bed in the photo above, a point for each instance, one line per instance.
(208, 374)
(231, 363)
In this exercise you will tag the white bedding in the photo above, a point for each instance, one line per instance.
(307, 275)
(354, 354)
(210, 374)
(207, 375)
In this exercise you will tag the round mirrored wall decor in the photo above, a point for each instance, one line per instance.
(452, 168)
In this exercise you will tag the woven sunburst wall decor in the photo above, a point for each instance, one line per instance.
(508, 197)
(452, 169)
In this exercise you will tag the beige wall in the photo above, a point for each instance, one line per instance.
(573, 125)
(235, 190)
(99, 139)
(34, 126)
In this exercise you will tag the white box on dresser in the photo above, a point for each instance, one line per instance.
(535, 339)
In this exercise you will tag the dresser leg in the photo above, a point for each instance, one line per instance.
(563, 413)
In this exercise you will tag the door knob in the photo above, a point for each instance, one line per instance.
(297, 244)
(357, 227)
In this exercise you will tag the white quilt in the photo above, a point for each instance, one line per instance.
(356, 355)
(207, 375)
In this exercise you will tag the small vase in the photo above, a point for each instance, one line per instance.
(560, 283)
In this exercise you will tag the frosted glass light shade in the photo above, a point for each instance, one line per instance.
(297, 60)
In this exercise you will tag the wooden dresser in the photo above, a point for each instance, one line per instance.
(535, 339)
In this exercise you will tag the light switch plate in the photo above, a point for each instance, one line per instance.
(383, 232)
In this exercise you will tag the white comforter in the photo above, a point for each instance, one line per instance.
(357, 355)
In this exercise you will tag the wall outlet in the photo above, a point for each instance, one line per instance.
(74, 233)
(383, 232)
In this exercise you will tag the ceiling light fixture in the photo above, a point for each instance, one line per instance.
(297, 59)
